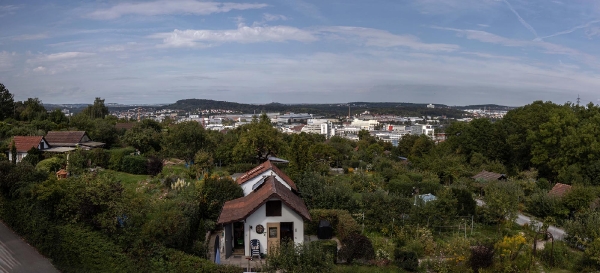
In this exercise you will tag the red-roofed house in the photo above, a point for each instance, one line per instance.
(559, 190)
(25, 143)
(270, 212)
(248, 180)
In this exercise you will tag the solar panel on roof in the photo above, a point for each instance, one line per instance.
(257, 184)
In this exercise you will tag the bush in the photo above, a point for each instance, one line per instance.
(99, 157)
(134, 164)
(561, 258)
(240, 167)
(290, 257)
(329, 247)
(154, 166)
(115, 161)
(50, 165)
(341, 221)
(356, 247)
(406, 260)
(481, 257)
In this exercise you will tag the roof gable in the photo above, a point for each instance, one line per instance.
(485, 175)
(262, 168)
(65, 137)
(559, 190)
(241, 208)
(25, 143)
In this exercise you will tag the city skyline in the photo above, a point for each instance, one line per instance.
(506, 52)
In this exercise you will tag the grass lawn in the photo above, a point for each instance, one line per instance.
(130, 181)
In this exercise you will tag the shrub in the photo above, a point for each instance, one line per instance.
(356, 247)
(561, 258)
(99, 157)
(481, 257)
(240, 167)
(341, 221)
(329, 247)
(49, 165)
(115, 161)
(154, 166)
(406, 260)
(134, 164)
(290, 257)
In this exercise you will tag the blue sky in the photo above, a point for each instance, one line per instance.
(455, 52)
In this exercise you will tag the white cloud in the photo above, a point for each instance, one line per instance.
(243, 34)
(61, 56)
(588, 24)
(453, 6)
(306, 8)
(330, 77)
(26, 37)
(382, 38)
(521, 20)
(6, 60)
(273, 17)
(591, 32)
(8, 10)
(40, 69)
(546, 47)
(491, 56)
(164, 7)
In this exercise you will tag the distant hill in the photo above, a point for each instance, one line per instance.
(486, 106)
(328, 110)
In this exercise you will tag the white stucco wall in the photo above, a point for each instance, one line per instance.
(247, 186)
(259, 218)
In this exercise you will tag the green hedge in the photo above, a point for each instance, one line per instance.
(52, 164)
(342, 222)
(134, 164)
(115, 161)
(76, 248)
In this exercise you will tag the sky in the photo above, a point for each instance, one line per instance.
(454, 52)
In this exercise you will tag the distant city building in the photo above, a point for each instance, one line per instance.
(419, 129)
(430, 106)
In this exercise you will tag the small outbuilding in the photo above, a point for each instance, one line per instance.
(325, 230)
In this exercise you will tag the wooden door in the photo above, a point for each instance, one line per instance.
(273, 236)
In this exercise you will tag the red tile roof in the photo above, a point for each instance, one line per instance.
(126, 125)
(24, 143)
(485, 175)
(559, 190)
(64, 137)
(241, 208)
(266, 166)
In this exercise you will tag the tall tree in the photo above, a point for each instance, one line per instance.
(258, 141)
(34, 110)
(96, 110)
(7, 103)
(185, 139)
(13, 152)
(502, 201)
(143, 138)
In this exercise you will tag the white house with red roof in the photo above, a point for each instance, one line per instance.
(25, 143)
(270, 212)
